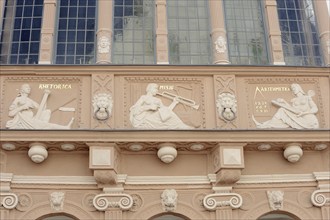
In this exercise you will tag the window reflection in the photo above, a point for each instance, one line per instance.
(133, 39)
(188, 32)
(299, 33)
(245, 32)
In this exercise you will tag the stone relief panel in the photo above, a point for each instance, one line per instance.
(220, 45)
(283, 103)
(103, 91)
(275, 199)
(169, 199)
(41, 102)
(57, 200)
(163, 103)
(102, 106)
(225, 85)
(226, 106)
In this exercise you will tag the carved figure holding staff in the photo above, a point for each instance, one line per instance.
(300, 114)
(21, 110)
(150, 113)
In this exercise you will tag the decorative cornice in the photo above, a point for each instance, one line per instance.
(9, 200)
(212, 201)
(113, 200)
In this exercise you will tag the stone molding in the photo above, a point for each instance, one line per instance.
(113, 200)
(156, 180)
(212, 201)
(9, 200)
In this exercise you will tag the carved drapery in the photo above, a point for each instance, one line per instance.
(212, 201)
(9, 200)
(111, 200)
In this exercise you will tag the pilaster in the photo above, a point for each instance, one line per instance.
(161, 33)
(274, 32)
(223, 201)
(47, 32)
(218, 33)
(104, 32)
(323, 21)
(2, 8)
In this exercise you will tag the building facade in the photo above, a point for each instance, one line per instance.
(165, 109)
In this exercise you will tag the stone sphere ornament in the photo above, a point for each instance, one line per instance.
(293, 152)
(37, 152)
(167, 153)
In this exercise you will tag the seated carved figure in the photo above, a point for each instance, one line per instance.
(300, 114)
(21, 110)
(149, 112)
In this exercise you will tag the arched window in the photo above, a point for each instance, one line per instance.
(277, 216)
(57, 217)
(168, 217)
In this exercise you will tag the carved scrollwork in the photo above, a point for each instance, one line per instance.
(320, 197)
(9, 200)
(212, 201)
(103, 201)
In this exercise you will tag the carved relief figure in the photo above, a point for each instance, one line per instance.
(103, 44)
(57, 201)
(102, 104)
(300, 114)
(220, 45)
(21, 110)
(169, 199)
(275, 199)
(149, 112)
(227, 107)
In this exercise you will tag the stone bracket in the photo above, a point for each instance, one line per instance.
(113, 200)
(212, 201)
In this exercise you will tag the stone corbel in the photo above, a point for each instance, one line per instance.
(113, 200)
(228, 161)
(104, 160)
(222, 199)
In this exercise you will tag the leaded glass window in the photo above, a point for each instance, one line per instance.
(299, 33)
(133, 37)
(20, 35)
(188, 32)
(76, 30)
(245, 32)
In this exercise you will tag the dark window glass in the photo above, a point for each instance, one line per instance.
(21, 29)
(76, 28)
